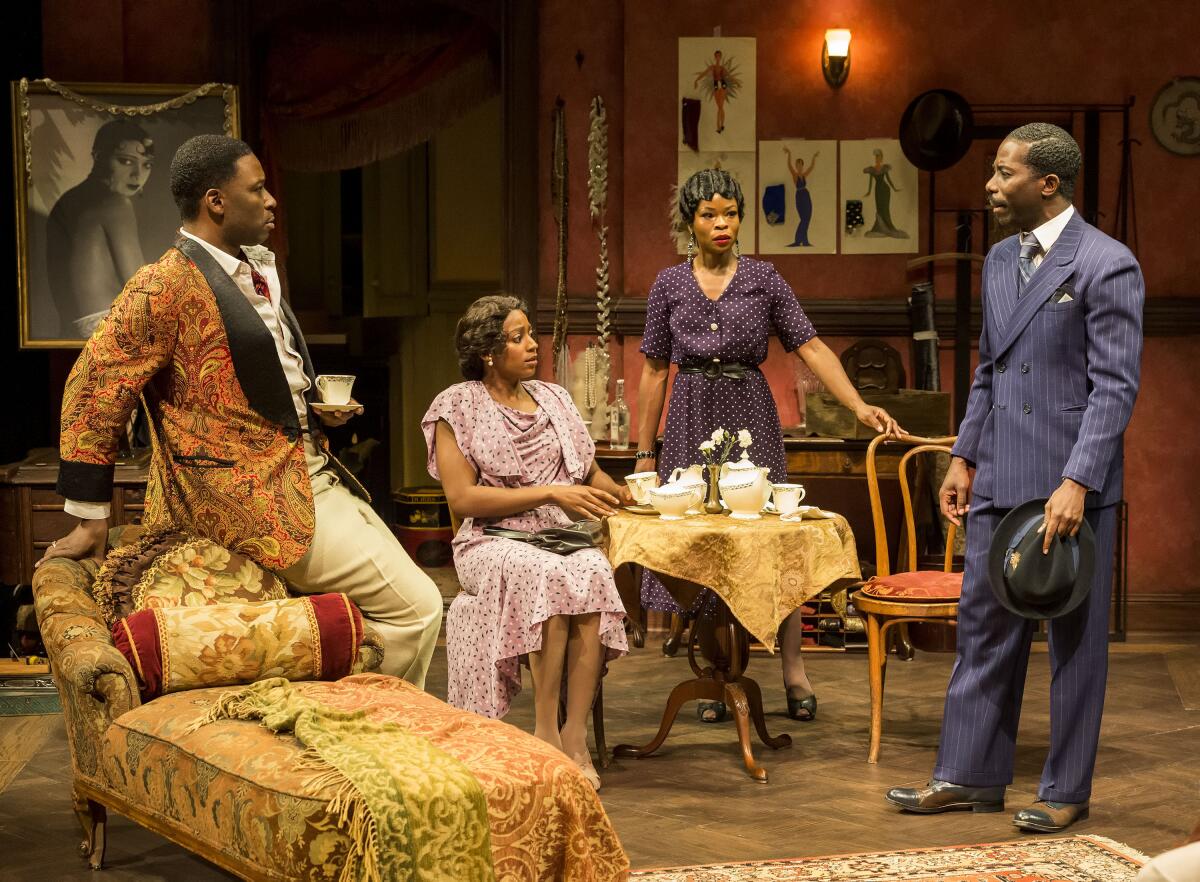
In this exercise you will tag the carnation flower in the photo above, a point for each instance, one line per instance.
(744, 438)
(707, 446)
(717, 435)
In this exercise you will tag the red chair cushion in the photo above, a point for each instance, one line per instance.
(924, 586)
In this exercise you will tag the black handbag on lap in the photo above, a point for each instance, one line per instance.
(559, 540)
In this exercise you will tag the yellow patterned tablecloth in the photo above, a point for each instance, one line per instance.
(762, 569)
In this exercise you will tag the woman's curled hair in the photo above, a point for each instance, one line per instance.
(480, 332)
(703, 186)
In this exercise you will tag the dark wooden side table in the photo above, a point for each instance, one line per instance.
(31, 511)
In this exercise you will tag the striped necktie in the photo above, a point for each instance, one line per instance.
(1030, 248)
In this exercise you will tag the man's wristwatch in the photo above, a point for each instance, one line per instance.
(646, 454)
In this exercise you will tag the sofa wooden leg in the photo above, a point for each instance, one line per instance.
(93, 817)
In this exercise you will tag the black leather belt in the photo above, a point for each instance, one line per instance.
(717, 368)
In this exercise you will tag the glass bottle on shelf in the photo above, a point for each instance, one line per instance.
(618, 420)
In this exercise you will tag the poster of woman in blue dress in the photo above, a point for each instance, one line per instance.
(797, 197)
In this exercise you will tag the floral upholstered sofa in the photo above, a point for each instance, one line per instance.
(235, 792)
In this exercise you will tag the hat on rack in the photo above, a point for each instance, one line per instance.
(936, 129)
(1036, 585)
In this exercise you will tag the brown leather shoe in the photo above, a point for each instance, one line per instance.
(1050, 817)
(942, 796)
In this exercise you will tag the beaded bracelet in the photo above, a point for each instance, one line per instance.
(645, 454)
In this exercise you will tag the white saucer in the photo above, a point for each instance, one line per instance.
(322, 407)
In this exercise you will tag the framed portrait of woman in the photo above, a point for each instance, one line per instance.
(93, 200)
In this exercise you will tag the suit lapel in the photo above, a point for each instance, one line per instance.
(255, 360)
(1055, 269)
(301, 345)
(1002, 285)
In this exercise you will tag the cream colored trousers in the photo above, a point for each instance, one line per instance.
(354, 552)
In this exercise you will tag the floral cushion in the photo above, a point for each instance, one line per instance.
(301, 638)
(923, 586)
(170, 569)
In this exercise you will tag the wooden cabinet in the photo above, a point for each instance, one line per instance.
(31, 511)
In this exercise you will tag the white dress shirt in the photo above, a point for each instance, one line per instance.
(1047, 234)
(262, 260)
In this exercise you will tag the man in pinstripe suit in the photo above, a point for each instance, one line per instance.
(1059, 361)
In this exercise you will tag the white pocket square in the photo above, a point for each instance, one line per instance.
(1065, 298)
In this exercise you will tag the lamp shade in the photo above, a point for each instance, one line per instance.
(837, 42)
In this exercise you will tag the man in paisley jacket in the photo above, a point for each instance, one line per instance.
(205, 337)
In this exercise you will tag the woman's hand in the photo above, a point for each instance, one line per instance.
(646, 465)
(878, 419)
(583, 500)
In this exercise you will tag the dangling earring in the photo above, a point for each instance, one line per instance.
(691, 248)
(737, 248)
(488, 361)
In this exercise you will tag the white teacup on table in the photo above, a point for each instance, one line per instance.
(673, 500)
(787, 497)
(639, 485)
(335, 389)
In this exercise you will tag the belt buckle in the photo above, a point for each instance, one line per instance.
(712, 370)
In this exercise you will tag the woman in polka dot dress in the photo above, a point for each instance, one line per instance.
(712, 315)
(513, 451)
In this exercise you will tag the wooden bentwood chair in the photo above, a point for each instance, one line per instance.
(892, 599)
(597, 703)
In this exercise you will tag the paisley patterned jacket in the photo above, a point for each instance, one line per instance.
(228, 455)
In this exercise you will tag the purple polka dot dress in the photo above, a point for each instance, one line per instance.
(510, 588)
(684, 326)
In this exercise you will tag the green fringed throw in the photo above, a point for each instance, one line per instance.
(411, 810)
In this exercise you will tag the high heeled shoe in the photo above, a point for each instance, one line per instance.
(712, 711)
(802, 709)
(584, 763)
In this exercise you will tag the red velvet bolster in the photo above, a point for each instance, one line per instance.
(136, 637)
(341, 628)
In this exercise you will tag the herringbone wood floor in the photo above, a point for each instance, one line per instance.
(693, 804)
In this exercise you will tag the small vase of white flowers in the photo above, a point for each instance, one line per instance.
(715, 451)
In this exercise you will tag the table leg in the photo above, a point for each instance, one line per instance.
(689, 690)
(754, 694)
(735, 696)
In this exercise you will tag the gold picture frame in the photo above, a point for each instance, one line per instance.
(93, 201)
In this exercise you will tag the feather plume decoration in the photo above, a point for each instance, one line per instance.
(598, 203)
(558, 195)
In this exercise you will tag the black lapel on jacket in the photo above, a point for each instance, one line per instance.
(1055, 269)
(255, 359)
(301, 345)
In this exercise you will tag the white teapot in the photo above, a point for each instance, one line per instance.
(745, 488)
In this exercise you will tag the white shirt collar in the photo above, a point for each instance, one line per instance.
(1047, 234)
(227, 261)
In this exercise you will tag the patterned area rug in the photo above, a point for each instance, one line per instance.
(1069, 859)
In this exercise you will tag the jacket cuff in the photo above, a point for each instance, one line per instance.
(85, 481)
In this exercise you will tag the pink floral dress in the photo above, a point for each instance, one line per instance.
(510, 588)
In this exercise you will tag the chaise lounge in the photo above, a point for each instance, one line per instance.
(235, 793)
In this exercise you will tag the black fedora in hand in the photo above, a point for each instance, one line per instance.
(1036, 585)
(936, 129)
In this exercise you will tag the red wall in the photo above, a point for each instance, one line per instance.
(1072, 51)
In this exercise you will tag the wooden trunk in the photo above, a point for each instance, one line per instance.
(917, 411)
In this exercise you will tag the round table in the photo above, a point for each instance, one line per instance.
(761, 571)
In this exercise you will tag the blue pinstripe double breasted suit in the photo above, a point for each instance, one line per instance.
(1059, 363)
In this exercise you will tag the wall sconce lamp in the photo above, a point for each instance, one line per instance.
(835, 56)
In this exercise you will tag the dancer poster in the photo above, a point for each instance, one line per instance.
(741, 166)
(716, 94)
(879, 200)
(797, 197)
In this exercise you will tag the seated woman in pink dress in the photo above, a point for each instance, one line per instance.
(513, 451)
